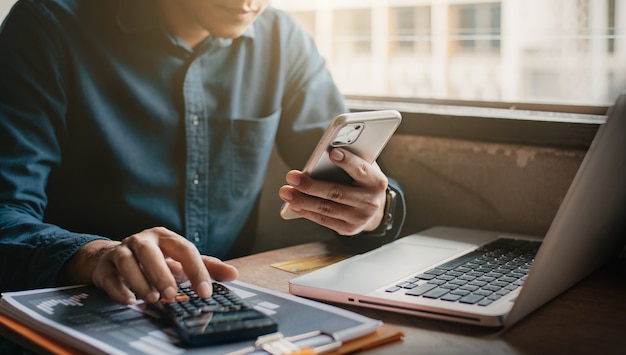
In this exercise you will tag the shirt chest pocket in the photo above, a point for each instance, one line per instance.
(252, 140)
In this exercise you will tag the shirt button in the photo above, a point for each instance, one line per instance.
(196, 179)
(196, 237)
(195, 120)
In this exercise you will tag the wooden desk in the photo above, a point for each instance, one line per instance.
(590, 318)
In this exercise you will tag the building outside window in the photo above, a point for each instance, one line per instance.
(352, 32)
(476, 27)
(409, 31)
(541, 51)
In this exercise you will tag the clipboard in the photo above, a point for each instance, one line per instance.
(277, 344)
(26, 321)
(21, 334)
(29, 338)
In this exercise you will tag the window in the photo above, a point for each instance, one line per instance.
(476, 27)
(570, 52)
(566, 52)
(410, 31)
(352, 32)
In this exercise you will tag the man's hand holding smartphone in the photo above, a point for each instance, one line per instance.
(342, 187)
(347, 209)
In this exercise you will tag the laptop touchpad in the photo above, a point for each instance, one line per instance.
(411, 257)
(394, 261)
(400, 260)
(382, 266)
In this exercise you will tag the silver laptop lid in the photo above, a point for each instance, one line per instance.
(588, 228)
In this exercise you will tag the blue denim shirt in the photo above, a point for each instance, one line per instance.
(109, 125)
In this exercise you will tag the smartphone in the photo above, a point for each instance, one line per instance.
(362, 133)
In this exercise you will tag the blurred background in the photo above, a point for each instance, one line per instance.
(555, 51)
(543, 51)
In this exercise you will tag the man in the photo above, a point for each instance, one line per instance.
(125, 125)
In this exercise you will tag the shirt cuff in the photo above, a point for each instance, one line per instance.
(390, 227)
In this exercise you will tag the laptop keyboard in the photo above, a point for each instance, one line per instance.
(480, 277)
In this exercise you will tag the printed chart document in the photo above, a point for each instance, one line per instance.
(85, 318)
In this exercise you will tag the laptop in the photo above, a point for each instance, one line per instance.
(441, 272)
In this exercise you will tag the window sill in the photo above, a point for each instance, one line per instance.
(535, 124)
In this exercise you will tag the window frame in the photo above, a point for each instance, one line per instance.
(548, 125)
